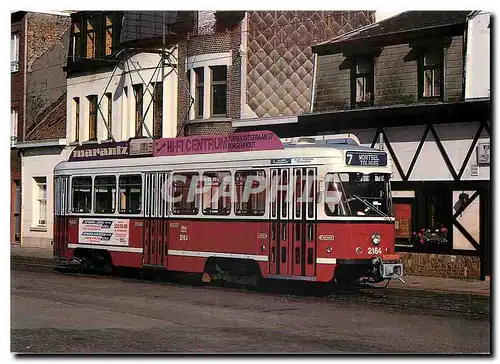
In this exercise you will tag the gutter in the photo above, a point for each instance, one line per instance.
(42, 143)
(265, 121)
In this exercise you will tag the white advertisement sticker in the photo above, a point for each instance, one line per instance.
(103, 231)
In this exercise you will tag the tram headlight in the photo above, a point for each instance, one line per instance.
(376, 239)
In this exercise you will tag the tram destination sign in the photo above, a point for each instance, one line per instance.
(369, 159)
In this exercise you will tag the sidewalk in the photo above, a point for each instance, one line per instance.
(411, 282)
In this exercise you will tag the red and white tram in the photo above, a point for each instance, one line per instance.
(237, 207)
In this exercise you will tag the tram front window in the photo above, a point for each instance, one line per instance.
(358, 194)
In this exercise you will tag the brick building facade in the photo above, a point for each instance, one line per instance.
(38, 47)
(268, 59)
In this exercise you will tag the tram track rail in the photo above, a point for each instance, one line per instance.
(466, 305)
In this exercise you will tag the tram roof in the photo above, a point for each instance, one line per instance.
(318, 153)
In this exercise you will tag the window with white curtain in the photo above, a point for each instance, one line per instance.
(40, 208)
(14, 52)
(13, 127)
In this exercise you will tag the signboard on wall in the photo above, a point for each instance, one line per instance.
(402, 215)
(222, 143)
(483, 153)
(103, 231)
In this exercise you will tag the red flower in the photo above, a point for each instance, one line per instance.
(414, 233)
(421, 241)
(444, 230)
(422, 230)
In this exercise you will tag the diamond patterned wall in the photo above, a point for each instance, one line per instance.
(279, 56)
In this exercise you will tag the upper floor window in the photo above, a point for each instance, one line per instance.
(109, 100)
(219, 91)
(92, 25)
(138, 92)
(14, 52)
(362, 83)
(13, 130)
(199, 94)
(431, 74)
(92, 117)
(76, 104)
(108, 37)
(92, 35)
(77, 37)
(158, 110)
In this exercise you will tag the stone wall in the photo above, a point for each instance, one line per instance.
(440, 265)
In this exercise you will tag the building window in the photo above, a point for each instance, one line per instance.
(108, 35)
(431, 74)
(109, 99)
(92, 26)
(92, 117)
(199, 93)
(14, 52)
(76, 104)
(219, 91)
(158, 110)
(362, 83)
(41, 201)
(13, 127)
(77, 39)
(138, 109)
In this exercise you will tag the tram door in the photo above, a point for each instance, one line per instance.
(303, 224)
(155, 244)
(280, 246)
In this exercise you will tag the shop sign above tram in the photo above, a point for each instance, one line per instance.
(223, 143)
(369, 159)
(113, 150)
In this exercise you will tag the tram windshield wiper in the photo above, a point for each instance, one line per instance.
(371, 206)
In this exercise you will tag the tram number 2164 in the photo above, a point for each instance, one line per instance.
(374, 250)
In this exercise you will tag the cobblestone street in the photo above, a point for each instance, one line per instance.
(67, 313)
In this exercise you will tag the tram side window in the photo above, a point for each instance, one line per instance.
(130, 194)
(250, 193)
(216, 193)
(334, 196)
(105, 194)
(81, 194)
(185, 187)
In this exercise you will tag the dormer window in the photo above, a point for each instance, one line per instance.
(431, 74)
(362, 82)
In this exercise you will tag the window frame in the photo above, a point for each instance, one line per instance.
(227, 172)
(369, 77)
(76, 105)
(14, 47)
(138, 90)
(71, 200)
(109, 100)
(141, 195)
(158, 110)
(14, 121)
(94, 194)
(213, 85)
(422, 67)
(199, 99)
(92, 121)
(40, 181)
(197, 201)
(237, 211)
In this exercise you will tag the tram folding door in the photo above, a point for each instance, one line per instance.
(155, 244)
(293, 222)
(61, 209)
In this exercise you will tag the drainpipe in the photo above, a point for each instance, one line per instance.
(313, 87)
